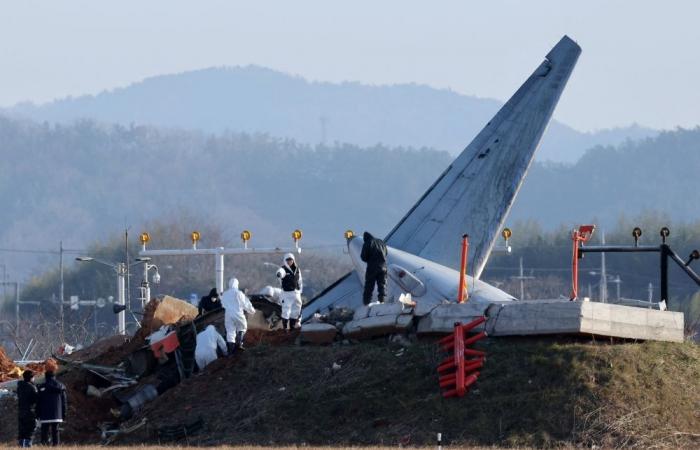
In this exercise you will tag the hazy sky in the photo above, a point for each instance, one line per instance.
(640, 61)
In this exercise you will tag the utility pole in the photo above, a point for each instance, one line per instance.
(126, 263)
(617, 282)
(60, 286)
(18, 302)
(603, 274)
(4, 279)
(122, 271)
(324, 122)
(522, 279)
(650, 290)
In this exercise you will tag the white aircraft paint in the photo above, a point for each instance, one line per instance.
(475, 193)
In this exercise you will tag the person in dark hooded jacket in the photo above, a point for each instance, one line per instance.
(26, 400)
(374, 254)
(51, 405)
(209, 302)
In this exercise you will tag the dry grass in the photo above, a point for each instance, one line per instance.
(532, 393)
(250, 447)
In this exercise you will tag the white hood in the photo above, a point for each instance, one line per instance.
(286, 257)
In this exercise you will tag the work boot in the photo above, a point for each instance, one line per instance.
(230, 347)
(292, 324)
(239, 339)
(285, 325)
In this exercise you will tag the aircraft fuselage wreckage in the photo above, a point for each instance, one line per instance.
(473, 195)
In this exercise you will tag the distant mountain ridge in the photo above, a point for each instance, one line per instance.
(85, 181)
(258, 100)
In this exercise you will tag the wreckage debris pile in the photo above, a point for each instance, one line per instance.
(101, 351)
(11, 371)
(84, 413)
(104, 360)
(8, 368)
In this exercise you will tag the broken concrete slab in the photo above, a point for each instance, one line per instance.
(318, 333)
(442, 318)
(424, 308)
(387, 309)
(543, 317)
(377, 326)
(361, 312)
(629, 322)
(539, 317)
(534, 317)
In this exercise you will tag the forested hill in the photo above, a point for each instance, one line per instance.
(659, 174)
(258, 100)
(85, 181)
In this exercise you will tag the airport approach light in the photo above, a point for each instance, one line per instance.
(195, 237)
(636, 234)
(245, 237)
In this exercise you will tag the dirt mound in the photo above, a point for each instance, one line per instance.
(8, 368)
(531, 393)
(84, 413)
(10, 371)
(98, 349)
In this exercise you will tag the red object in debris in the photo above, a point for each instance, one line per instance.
(583, 234)
(458, 373)
(166, 345)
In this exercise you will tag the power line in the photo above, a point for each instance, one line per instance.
(44, 252)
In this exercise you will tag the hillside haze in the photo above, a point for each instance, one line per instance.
(259, 100)
(86, 181)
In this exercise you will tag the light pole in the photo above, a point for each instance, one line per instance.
(615, 279)
(120, 269)
(145, 286)
(4, 278)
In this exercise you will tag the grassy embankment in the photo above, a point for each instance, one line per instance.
(532, 392)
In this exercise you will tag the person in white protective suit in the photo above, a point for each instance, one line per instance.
(235, 304)
(207, 343)
(292, 286)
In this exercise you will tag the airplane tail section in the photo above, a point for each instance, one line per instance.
(476, 191)
(474, 194)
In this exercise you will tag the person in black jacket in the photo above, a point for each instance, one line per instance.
(374, 254)
(51, 405)
(209, 302)
(26, 400)
(292, 286)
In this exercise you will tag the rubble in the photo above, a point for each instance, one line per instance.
(318, 333)
(171, 310)
(10, 371)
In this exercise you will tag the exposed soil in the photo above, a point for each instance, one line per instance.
(10, 371)
(7, 367)
(100, 349)
(532, 392)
